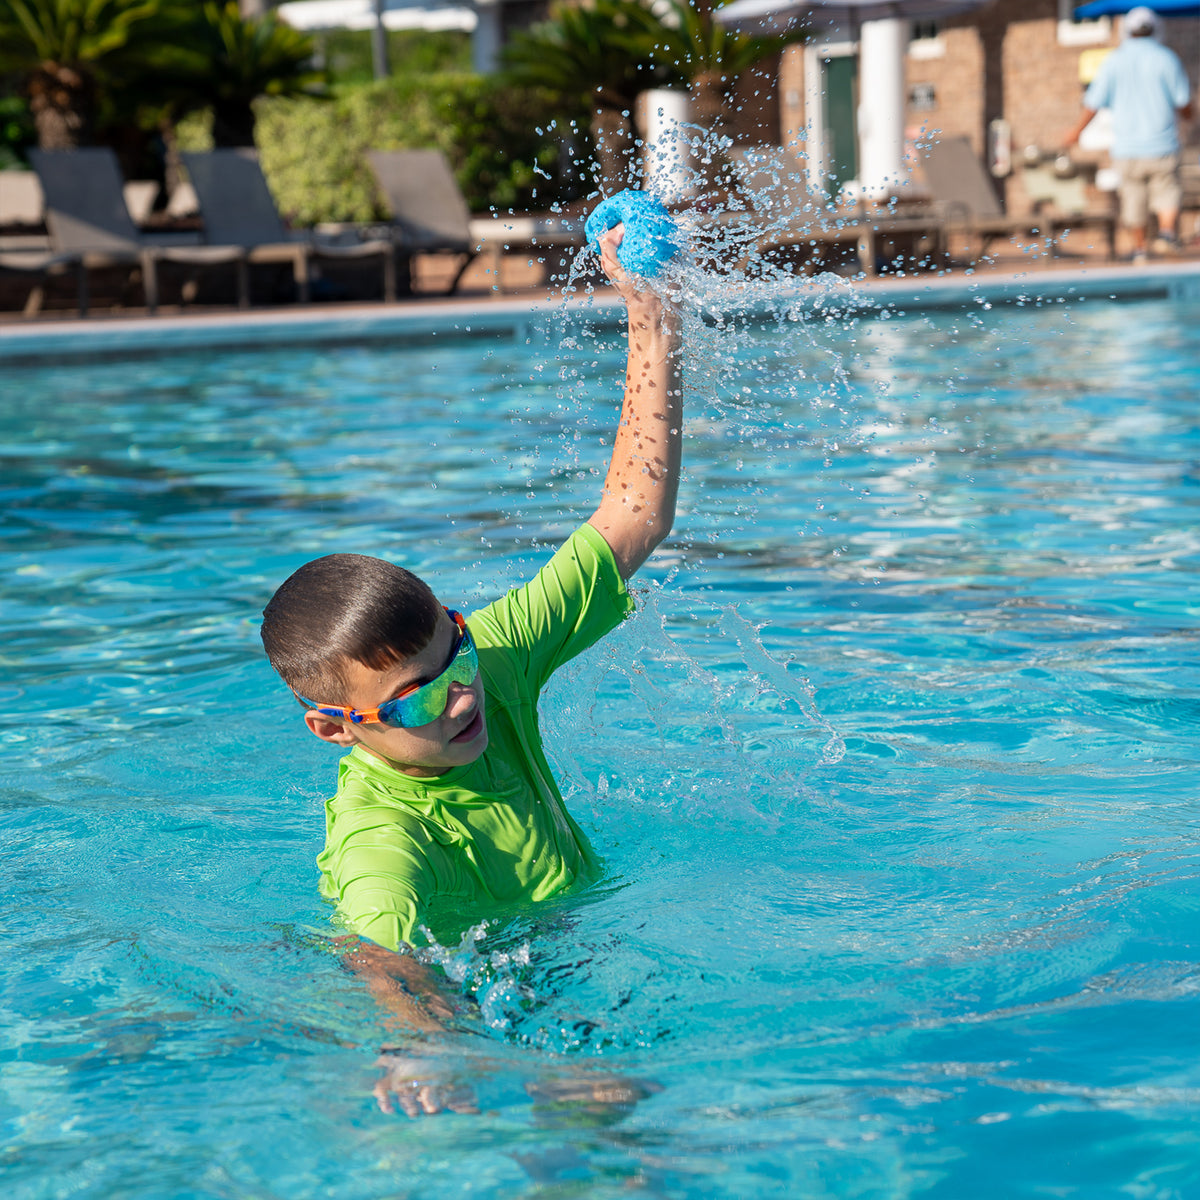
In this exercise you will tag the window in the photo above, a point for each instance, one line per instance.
(922, 97)
(926, 40)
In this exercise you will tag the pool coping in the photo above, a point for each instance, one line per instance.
(121, 337)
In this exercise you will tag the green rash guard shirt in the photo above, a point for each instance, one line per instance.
(495, 831)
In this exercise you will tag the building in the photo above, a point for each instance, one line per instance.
(1008, 75)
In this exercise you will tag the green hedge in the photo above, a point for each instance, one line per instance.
(501, 141)
(16, 132)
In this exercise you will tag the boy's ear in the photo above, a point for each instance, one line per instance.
(330, 729)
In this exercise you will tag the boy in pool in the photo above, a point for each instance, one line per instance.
(446, 797)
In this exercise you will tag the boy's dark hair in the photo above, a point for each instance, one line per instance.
(340, 609)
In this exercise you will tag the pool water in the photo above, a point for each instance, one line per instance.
(894, 772)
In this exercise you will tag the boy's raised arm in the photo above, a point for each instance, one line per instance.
(637, 507)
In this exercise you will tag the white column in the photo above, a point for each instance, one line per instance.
(667, 172)
(816, 153)
(882, 47)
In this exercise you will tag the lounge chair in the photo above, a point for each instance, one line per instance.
(87, 219)
(237, 207)
(959, 186)
(781, 217)
(23, 247)
(42, 266)
(23, 203)
(789, 218)
(430, 216)
(551, 240)
(427, 208)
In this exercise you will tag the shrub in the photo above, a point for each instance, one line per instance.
(510, 147)
(17, 133)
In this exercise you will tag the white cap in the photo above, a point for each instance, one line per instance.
(1141, 20)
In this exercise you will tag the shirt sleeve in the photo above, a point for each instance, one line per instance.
(381, 875)
(572, 602)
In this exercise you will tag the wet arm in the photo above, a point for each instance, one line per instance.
(405, 989)
(418, 1009)
(637, 506)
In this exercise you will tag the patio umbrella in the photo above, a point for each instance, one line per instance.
(379, 16)
(361, 14)
(770, 15)
(1114, 8)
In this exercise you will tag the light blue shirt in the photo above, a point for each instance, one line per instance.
(1143, 83)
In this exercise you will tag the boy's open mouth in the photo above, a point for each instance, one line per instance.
(472, 731)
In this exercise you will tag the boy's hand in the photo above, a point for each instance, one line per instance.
(413, 995)
(645, 307)
(419, 1087)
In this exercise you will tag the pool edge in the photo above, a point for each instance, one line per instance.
(117, 337)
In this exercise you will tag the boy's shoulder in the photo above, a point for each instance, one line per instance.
(570, 602)
(580, 581)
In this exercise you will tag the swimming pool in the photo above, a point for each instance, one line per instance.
(894, 773)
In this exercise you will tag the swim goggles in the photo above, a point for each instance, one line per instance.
(418, 705)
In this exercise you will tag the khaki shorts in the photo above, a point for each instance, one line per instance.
(1148, 185)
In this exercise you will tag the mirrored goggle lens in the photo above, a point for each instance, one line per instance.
(428, 702)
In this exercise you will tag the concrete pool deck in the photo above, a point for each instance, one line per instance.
(110, 335)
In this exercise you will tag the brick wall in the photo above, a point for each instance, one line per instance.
(754, 105)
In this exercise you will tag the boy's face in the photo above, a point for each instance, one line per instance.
(456, 738)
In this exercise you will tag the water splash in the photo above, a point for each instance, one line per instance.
(770, 363)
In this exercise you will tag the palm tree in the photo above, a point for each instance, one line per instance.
(67, 51)
(711, 56)
(602, 54)
(609, 51)
(241, 58)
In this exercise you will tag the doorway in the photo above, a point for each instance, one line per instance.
(831, 108)
(841, 121)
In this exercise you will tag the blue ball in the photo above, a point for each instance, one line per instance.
(651, 238)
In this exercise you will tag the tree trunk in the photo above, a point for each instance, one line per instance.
(233, 124)
(708, 101)
(614, 140)
(172, 162)
(708, 111)
(62, 103)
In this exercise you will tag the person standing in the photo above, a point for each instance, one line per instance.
(1145, 87)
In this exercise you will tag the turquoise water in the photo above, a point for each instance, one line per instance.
(895, 773)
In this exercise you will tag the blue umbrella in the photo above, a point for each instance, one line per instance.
(1114, 8)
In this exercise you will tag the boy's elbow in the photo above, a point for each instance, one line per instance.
(648, 538)
(659, 528)
(632, 537)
